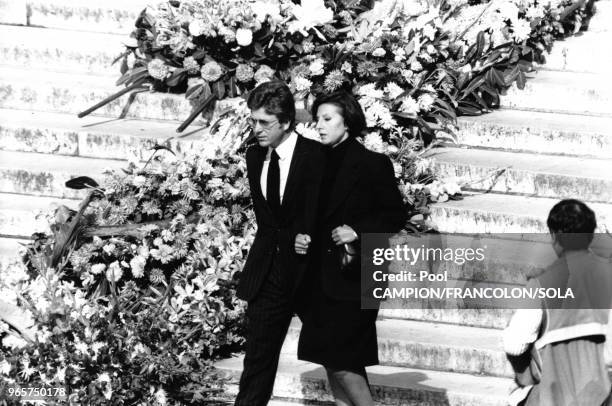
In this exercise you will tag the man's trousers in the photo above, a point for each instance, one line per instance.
(268, 316)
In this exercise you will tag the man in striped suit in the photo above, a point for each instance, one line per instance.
(282, 172)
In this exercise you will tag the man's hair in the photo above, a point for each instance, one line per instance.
(276, 98)
(350, 109)
(573, 223)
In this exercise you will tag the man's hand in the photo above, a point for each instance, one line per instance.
(302, 241)
(344, 235)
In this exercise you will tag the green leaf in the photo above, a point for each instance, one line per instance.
(176, 77)
(219, 89)
(521, 80)
(81, 182)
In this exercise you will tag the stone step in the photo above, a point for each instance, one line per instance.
(483, 318)
(86, 15)
(564, 92)
(526, 173)
(23, 215)
(45, 175)
(431, 346)
(532, 131)
(390, 385)
(10, 248)
(60, 50)
(91, 136)
(580, 53)
(13, 12)
(42, 90)
(600, 23)
(500, 213)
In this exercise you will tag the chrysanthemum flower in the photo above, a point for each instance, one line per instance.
(211, 71)
(264, 74)
(333, 81)
(156, 276)
(191, 65)
(244, 72)
(158, 69)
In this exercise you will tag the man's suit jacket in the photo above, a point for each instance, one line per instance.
(366, 198)
(276, 237)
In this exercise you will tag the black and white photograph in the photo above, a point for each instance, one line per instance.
(305, 202)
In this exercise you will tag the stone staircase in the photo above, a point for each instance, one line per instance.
(554, 140)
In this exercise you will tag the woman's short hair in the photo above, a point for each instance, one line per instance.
(350, 109)
(276, 98)
(573, 223)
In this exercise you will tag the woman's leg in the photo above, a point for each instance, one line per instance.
(353, 386)
(340, 395)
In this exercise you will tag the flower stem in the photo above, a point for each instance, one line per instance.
(109, 99)
(195, 113)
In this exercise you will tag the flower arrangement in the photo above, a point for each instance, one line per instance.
(417, 65)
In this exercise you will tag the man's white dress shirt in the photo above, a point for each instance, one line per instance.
(285, 153)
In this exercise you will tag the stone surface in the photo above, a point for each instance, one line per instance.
(544, 133)
(91, 136)
(390, 385)
(23, 215)
(74, 93)
(559, 177)
(566, 92)
(13, 12)
(87, 15)
(60, 50)
(499, 213)
(45, 175)
(429, 346)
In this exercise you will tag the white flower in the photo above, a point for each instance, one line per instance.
(160, 397)
(14, 342)
(534, 12)
(316, 67)
(407, 74)
(374, 142)
(307, 132)
(137, 265)
(301, 84)
(264, 74)
(398, 169)
(521, 30)
(114, 272)
(167, 235)
(416, 66)
(346, 67)
(309, 14)
(244, 37)
(426, 101)
(5, 367)
(393, 90)
(429, 31)
(197, 28)
(158, 69)
(400, 54)
(409, 105)
(264, 9)
(508, 10)
(379, 52)
(109, 248)
(211, 71)
(108, 390)
(370, 91)
(139, 180)
(431, 49)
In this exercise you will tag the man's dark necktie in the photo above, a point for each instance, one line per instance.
(273, 184)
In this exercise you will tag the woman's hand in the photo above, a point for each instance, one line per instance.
(302, 241)
(344, 235)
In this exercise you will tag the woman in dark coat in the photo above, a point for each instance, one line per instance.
(358, 194)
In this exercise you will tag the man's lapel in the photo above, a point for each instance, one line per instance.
(348, 174)
(260, 157)
(294, 170)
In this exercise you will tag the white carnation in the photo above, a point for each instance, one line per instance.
(316, 67)
(244, 37)
(137, 264)
(393, 90)
(114, 272)
(409, 105)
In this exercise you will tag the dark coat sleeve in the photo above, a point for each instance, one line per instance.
(387, 213)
